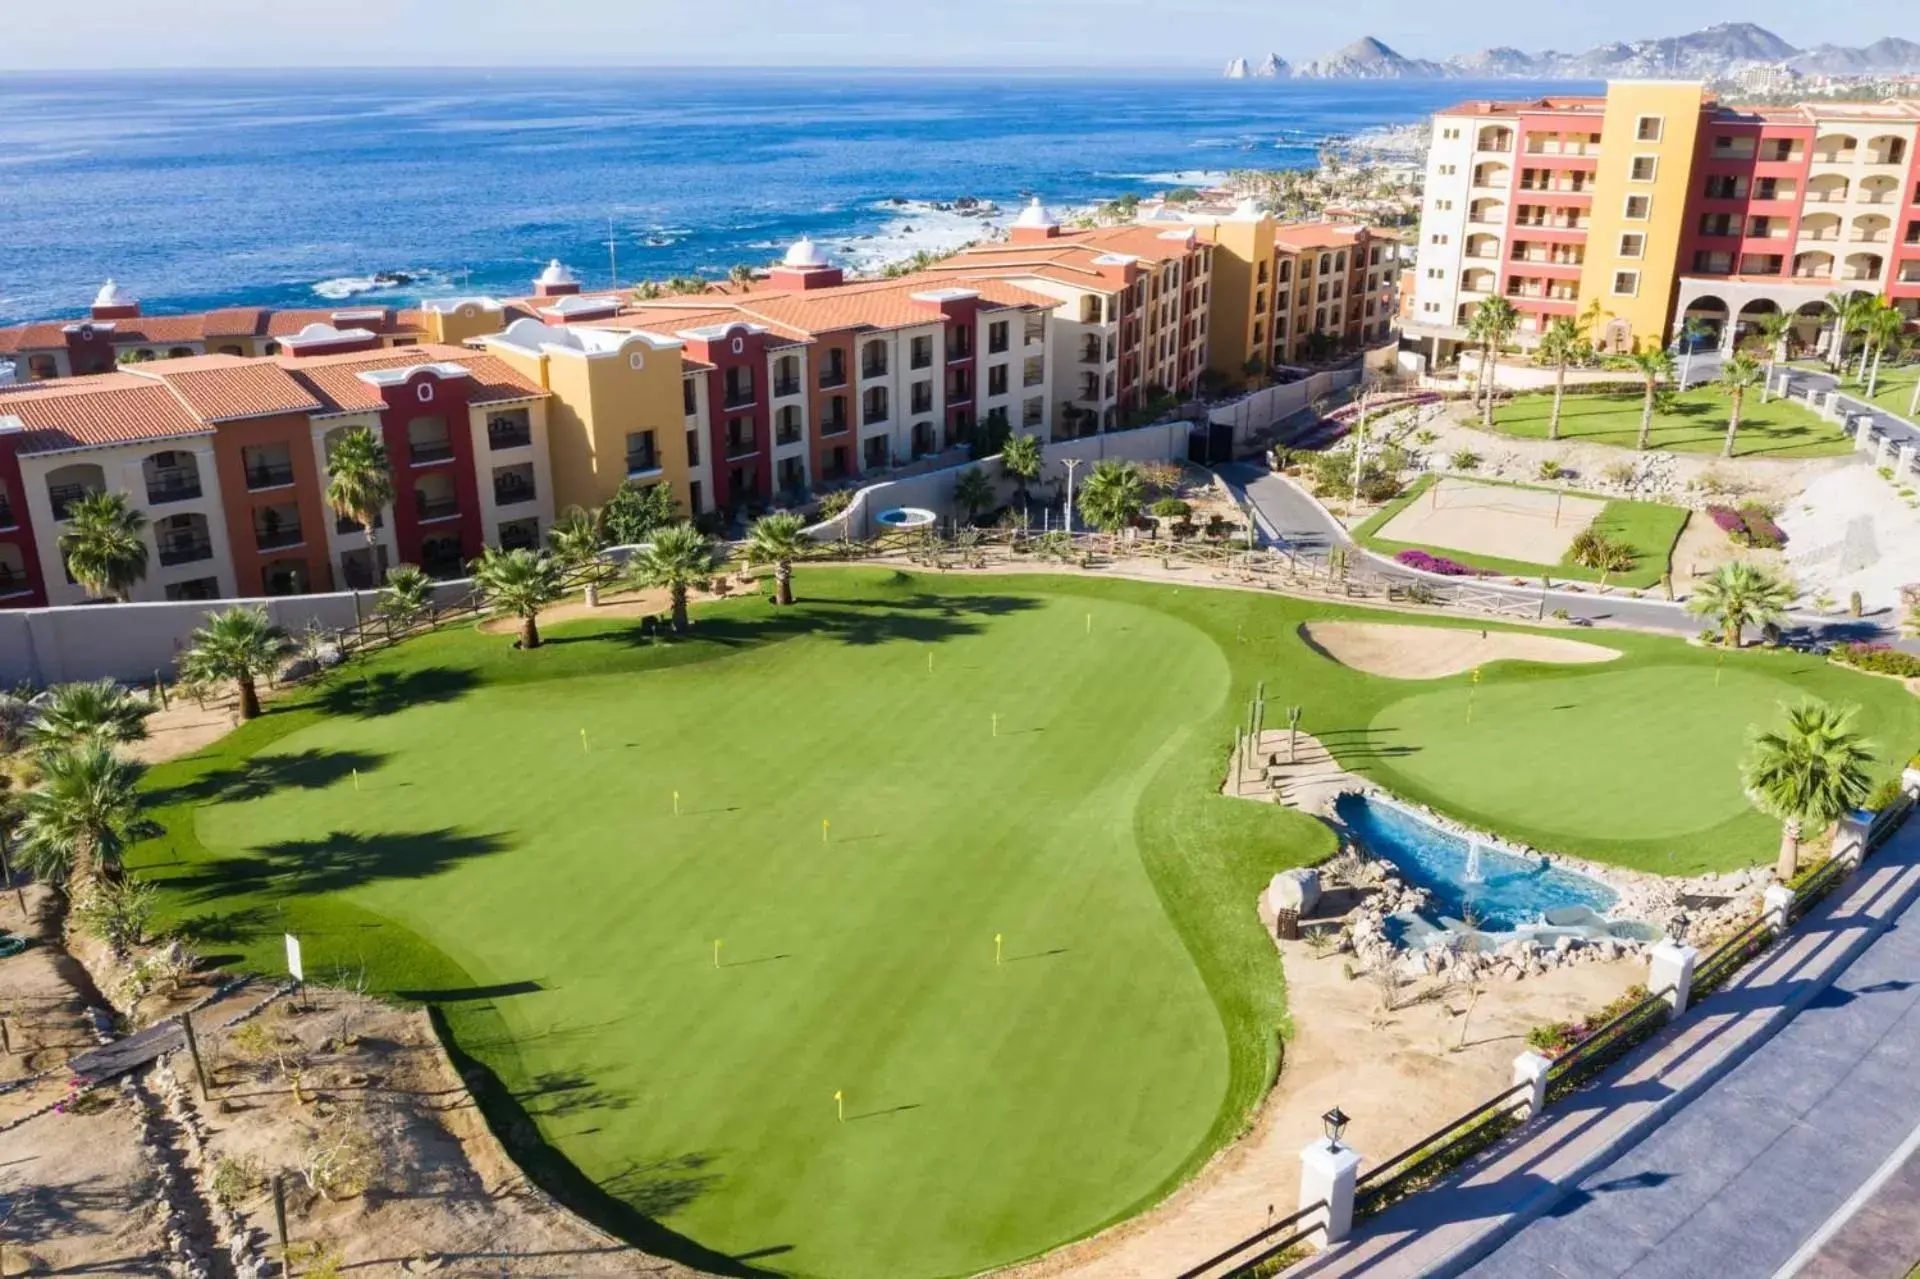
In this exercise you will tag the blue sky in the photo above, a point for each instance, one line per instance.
(229, 33)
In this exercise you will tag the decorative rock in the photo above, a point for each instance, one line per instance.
(1297, 890)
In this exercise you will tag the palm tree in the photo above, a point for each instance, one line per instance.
(576, 539)
(1558, 346)
(1654, 367)
(972, 491)
(1772, 332)
(740, 275)
(1691, 331)
(1256, 370)
(1496, 321)
(678, 557)
(1021, 458)
(1885, 328)
(521, 582)
(359, 481)
(80, 815)
(1814, 770)
(1849, 311)
(104, 544)
(241, 645)
(778, 540)
(99, 710)
(407, 594)
(1737, 374)
(1739, 595)
(1110, 497)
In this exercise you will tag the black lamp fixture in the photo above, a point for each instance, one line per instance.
(1335, 1122)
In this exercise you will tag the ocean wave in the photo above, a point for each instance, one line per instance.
(1177, 178)
(342, 287)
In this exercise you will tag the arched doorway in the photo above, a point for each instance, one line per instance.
(1710, 313)
(1747, 324)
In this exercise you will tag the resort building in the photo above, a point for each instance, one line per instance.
(1656, 203)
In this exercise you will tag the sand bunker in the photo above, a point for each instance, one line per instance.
(1535, 526)
(1431, 652)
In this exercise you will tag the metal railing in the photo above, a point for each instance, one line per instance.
(269, 475)
(1608, 1043)
(1729, 957)
(1808, 892)
(1288, 1232)
(1437, 1152)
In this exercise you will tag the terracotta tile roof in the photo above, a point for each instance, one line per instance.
(110, 409)
(1316, 235)
(242, 321)
(376, 319)
(336, 383)
(227, 388)
(798, 315)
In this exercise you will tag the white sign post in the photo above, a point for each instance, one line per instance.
(294, 965)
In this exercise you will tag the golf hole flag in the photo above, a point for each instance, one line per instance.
(293, 958)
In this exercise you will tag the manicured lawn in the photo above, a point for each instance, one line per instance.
(1894, 391)
(1652, 529)
(1696, 424)
(431, 814)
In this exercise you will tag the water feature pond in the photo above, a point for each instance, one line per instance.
(1476, 887)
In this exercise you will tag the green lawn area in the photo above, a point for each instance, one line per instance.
(1652, 529)
(1697, 423)
(430, 813)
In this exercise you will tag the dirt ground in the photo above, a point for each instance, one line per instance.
(1432, 652)
(1531, 525)
(612, 604)
(1399, 1074)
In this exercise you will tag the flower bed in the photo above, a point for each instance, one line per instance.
(1750, 525)
(1430, 563)
(1555, 1039)
(1881, 659)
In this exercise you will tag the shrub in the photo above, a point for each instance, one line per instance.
(1553, 469)
(1464, 460)
(1881, 659)
(116, 913)
(1168, 508)
(1884, 796)
(1430, 563)
(1381, 487)
(1621, 474)
(1594, 550)
(834, 504)
(1559, 1037)
(237, 1180)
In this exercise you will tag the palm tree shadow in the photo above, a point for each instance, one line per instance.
(262, 775)
(863, 623)
(341, 860)
(386, 692)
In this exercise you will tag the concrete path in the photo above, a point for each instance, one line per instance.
(1879, 1238)
(1622, 1178)
(1289, 518)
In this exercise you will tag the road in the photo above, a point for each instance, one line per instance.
(1294, 521)
(1769, 1167)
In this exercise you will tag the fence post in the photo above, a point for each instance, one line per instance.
(1777, 901)
(1670, 969)
(1910, 781)
(1530, 1068)
(1327, 1175)
(1850, 839)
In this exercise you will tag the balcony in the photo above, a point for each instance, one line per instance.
(273, 536)
(740, 446)
(512, 490)
(835, 424)
(502, 434)
(172, 486)
(835, 374)
(785, 386)
(184, 550)
(871, 368)
(959, 347)
(64, 496)
(269, 475)
(737, 396)
(430, 509)
(6, 513)
(14, 581)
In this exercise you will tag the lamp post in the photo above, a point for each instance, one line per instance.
(1072, 464)
(1335, 1123)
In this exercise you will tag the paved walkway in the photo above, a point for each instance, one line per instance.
(1788, 1134)
(1879, 1238)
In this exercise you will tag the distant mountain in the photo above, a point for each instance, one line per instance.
(1367, 59)
(1718, 51)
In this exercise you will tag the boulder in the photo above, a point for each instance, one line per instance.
(1295, 890)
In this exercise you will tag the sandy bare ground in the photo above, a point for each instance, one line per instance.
(1531, 525)
(1433, 652)
(612, 604)
(1400, 1074)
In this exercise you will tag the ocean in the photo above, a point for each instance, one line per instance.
(196, 190)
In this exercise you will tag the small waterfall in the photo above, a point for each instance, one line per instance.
(1473, 862)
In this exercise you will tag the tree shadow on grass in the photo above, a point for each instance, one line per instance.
(919, 619)
(344, 859)
(628, 1203)
(385, 692)
(262, 775)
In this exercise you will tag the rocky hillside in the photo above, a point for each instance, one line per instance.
(1721, 50)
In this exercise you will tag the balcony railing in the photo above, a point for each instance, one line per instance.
(873, 368)
(268, 539)
(269, 475)
(512, 492)
(175, 487)
(184, 550)
(6, 513)
(64, 496)
(833, 375)
(835, 425)
(517, 436)
(785, 386)
(740, 446)
(430, 451)
(643, 463)
(436, 508)
(1834, 157)
(13, 581)
(737, 397)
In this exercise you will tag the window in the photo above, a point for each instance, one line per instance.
(922, 401)
(1644, 167)
(1639, 208)
(693, 448)
(922, 357)
(1034, 371)
(997, 379)
(1649, 128)
(998, 336)
(1626, 284)
(641, 456)
(1633, 245)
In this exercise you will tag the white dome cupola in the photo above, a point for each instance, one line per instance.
(805, 255)
(555, 281)
(1035, 223)
(114, 302)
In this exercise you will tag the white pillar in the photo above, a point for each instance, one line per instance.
(1902, 460)
(1776, 901)
(1531, 1068)
(1850, 840)
(1327, 1174)
(1670, 968)
(1883, 454)
(1910, 781)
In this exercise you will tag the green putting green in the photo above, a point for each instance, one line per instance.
(1696, 423)
(493, 833)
